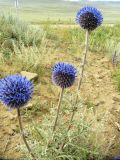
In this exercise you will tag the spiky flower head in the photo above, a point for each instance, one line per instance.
(15, 91)
(89, 18)
(63, 74)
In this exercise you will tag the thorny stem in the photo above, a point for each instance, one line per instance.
(79, 83)
(81, 78)
(22, 134)
(58, 109)
(84, 60)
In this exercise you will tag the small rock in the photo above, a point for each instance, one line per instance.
(97, 85)
(98, 77)
(99, 103)
(12, 117)
(116, 99)
(113, 102)
(117, 125)
(29, 75)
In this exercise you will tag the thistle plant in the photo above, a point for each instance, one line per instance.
(115, 57)
(63, 75)
(89, 18)
(15, 92)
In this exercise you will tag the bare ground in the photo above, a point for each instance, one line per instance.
(99, 88)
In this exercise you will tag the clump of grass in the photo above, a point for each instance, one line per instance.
(116, 77)
(104, 40)
(32, 59)
(14, 30)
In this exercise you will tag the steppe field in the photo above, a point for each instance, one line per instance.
(59, 11)
(33, 37)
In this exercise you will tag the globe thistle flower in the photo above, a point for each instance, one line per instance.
(89, 18)
(63, 74)
(15, 91)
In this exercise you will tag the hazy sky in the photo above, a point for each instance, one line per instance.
(105, 0)
(92, 0)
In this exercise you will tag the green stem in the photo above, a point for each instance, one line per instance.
(23, 135)
(81, 78)
(79, 83)
(58, 109)
(84, 60)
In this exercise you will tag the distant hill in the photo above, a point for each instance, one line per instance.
(49, 3)
(38, 10)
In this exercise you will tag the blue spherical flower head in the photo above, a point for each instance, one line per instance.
(15, 91)
(63, 74)
(89, 18)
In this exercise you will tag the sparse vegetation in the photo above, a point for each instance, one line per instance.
(23, 47)
(17, 32)
(79, 141)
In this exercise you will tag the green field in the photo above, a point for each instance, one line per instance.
(39, 11)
